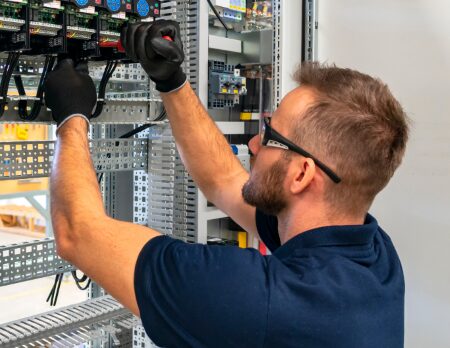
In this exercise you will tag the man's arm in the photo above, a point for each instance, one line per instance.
(104, 248)
(203, 148)
(208, 156)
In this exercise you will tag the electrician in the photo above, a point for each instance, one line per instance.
(333, 279)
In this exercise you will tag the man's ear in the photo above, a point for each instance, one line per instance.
(305, 172)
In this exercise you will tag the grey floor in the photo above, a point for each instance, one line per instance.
(28, 298)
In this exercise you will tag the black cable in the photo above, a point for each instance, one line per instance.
(107, 74)
(55, 299)
(80, 281)
(54, 292)
(135, 131)
(37, 105)
(11, 63)
(217, 15)
(5, 72)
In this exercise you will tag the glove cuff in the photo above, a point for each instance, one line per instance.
(172, 84)
(68, 118)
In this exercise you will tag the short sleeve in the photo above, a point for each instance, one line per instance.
(267, 226)
(193, 295)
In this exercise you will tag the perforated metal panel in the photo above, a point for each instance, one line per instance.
(26, 159)
(119, 154)
(140, 338)
(33, 159)
(140, 194)
(30, 260)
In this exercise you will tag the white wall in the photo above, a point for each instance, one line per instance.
(407, 44)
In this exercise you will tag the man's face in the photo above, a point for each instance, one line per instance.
(265, 188)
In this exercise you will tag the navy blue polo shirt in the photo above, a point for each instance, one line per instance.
(338, 286)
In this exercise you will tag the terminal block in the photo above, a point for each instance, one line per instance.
(225, 85)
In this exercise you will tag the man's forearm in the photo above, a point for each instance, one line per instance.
(203, 148)
(75, 194)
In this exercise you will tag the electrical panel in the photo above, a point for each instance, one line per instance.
(144, 178)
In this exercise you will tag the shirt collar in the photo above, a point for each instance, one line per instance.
(331, 236)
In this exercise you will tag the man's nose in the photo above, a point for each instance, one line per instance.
(255, 144)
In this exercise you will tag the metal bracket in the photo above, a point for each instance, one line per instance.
(310, 41)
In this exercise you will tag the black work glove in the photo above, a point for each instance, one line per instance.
(160, 58)
(70, 92)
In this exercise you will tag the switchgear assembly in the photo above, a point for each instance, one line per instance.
(48, 30)
(77, 27)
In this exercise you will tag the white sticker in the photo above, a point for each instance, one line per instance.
(56, 4)
(149, 19)
(120, 15)
(88, 10)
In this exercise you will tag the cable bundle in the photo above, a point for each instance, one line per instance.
(109, 71)
(11, 63)
(37, 105)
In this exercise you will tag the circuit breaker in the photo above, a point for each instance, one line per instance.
(225, 85)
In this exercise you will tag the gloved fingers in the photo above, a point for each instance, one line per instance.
(165, 27)
(141, 36)
(167, 49)
(82, 67)
(128, 38)
(64, 64)
(171, 50)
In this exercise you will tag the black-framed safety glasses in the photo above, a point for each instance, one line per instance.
(270, 137)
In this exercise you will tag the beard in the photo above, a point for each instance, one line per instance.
(265, 190)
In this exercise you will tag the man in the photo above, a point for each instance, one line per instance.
(334, 279)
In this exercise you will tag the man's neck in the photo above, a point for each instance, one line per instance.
(292, 222)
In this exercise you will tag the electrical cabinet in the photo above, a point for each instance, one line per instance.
(143, 178)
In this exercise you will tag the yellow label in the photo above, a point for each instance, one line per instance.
(242, 239)
(246, 116)
(22, 132)
(224, 90)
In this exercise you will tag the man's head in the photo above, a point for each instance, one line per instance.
(348, 121)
